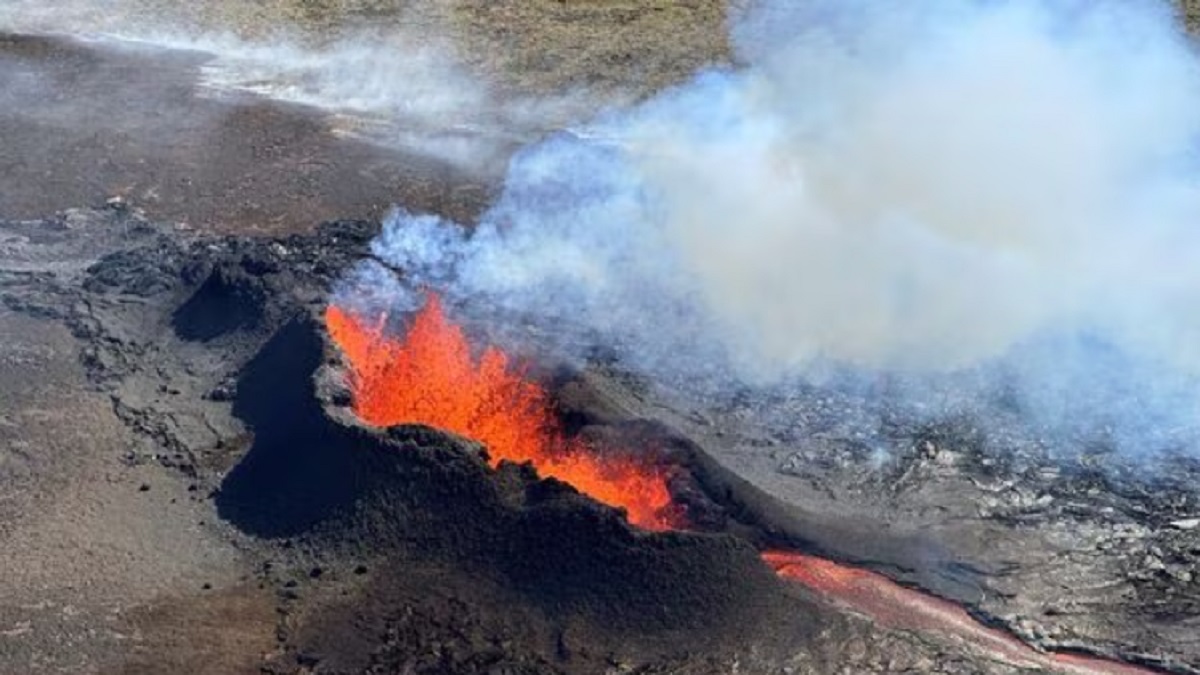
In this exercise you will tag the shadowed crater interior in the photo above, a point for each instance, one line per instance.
(228, 300)
(297, 470)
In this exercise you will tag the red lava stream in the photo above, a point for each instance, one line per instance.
(430, 376)
(892, 605)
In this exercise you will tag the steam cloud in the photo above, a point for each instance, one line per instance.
(996, 197)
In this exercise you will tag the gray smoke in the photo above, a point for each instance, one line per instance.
(998, 197)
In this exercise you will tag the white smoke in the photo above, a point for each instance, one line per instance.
(999, 186)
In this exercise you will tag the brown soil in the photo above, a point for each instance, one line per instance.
(225, 632)
(625, 46)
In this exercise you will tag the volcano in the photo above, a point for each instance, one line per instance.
(234, 439)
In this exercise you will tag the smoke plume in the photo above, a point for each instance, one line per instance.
(996, 197)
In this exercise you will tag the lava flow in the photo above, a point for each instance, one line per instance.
(895, 606)
(431, 377)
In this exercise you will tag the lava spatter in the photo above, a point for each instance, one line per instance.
(430, 376)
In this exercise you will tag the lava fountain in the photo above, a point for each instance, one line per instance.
(431, 377)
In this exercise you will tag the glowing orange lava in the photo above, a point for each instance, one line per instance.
(893, 605)
(431, 377)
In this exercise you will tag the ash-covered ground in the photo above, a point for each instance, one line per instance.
(182, 487)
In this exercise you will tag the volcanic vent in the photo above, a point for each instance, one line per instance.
(410, 453)
(431, 377)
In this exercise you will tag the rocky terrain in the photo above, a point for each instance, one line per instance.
(254, 509)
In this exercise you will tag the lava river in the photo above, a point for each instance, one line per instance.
(431, 376)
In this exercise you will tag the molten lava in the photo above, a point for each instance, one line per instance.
(893, 605)
(431, 377)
